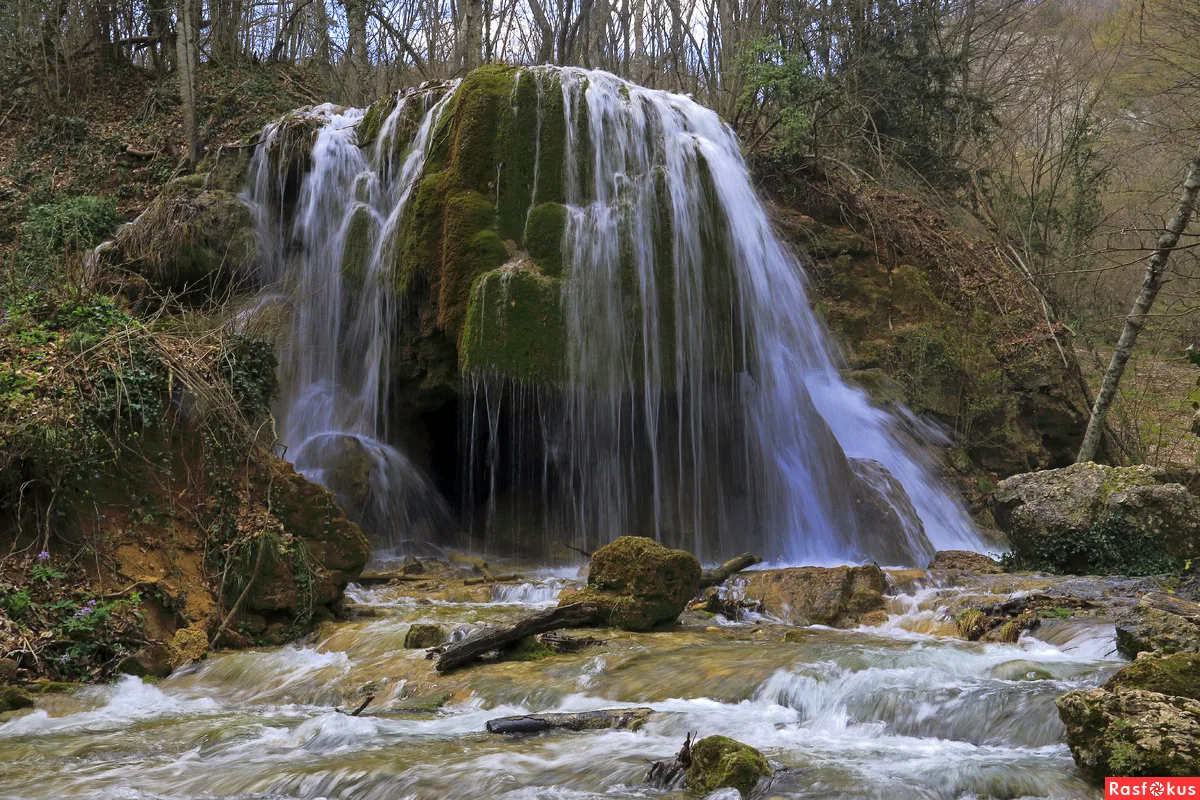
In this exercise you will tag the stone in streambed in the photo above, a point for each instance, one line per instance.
(422, 636)
(1147, 627)
(1131, 732)
(718, 762)
(965, 561)
(637, 583)
(840, 597)
(153, 660)
(1176, 675)
(8, 671)
(13, 698)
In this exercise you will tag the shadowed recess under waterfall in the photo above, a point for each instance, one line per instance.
(631, 347)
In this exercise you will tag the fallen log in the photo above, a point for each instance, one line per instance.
(625, 719)
(567, 644)
(713, 577)
(485, 640)
(513, 576)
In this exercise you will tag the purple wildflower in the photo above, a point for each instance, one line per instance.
(43, 556)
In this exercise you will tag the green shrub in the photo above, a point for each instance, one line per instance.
(74, 223)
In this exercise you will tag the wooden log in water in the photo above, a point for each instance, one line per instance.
(626, 719)
(714, 577)
(514, 576)
(485, 640)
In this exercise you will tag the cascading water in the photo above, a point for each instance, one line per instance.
(335, 355)
(699, 401)
(703, 404)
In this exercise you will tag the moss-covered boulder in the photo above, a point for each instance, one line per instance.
(1177, 675)
(718, 762)
(637, 583)
(424, 635)
(840, 597)
(515, 327)
(1093, 519)
(13, 698)
(189, 241)
(1132, 732)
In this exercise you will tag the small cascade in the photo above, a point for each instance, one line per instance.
(325, 254)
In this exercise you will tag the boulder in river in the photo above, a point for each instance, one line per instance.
(837, 596)
(637, 583)
(1092, 519)
(718, 762)
(421, 636)
(1159, 623)
(1132, 732)
(1177, 675)
(188, 645)
(153, 660)
(13, 698)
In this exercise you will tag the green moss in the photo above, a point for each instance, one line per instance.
(719, 762)
(359, 243)
(369, 127)
(1110, 545)
(1177, 675)
(469, 249)
(419, 245)
(481, 101)
(515, 328)
(527, 649)
(13, 698)
(544, 232)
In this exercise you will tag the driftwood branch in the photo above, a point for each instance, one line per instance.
(515, 576)
(714, 577)
(485, 640)
(625, 719)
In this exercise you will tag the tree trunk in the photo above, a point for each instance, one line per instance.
(188, 62)
(356, 23)
(714, 577)
(470, 34)
(485, 640)
(1151, 284)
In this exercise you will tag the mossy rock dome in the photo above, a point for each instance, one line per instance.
(719, 762)
(638, 583)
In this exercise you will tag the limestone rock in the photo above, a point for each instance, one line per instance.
(1132, 732)
(719, 762)
(835, 596)
(638, 583)
(8, 671)
(422, 636)
(188, 645)
(1093, 519)
(1177, 675)
(153, 660)
(1147, 628)
(965, 561)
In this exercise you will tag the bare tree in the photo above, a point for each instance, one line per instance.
(1151, 284)
(188, 61)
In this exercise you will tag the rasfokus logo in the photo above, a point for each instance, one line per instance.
(1151, 787)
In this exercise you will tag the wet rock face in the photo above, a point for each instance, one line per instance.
(719, 762)
(152, 660)
(889, 528)
(1177, 675)
(841, 597)
(1132, 732)
(638, 583)
(1092, 519)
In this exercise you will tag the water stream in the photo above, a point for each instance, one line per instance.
(883, 712)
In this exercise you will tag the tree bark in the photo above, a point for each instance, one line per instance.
(470, 34)
(625, 719)
(356, 23)
(713, 577)
(1151, 284)
(188, 63)
(572, 615)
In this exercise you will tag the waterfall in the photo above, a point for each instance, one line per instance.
(700, 400)
(335, 352)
